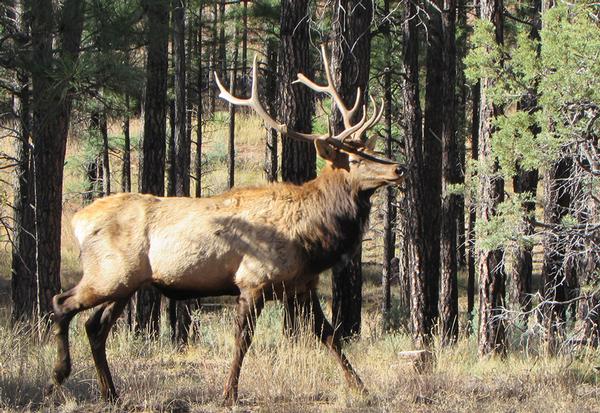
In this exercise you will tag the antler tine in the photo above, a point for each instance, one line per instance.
(346, 133)
(377, 113)
(347, 114)
(254, 102)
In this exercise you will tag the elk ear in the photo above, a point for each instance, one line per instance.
(325, 150)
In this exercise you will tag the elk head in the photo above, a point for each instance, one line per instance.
(347, 151)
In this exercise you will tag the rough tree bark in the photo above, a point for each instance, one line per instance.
(126, 170)
(421, 322)
(490, 194)
(557, 200)
(298, 163)
(51, 106)
(179, 311)
(105, 154)
(432, 154)
(295, 109)
(200, 112)
(23, 280)
(232, 110)
(271, 170)
(154, 141)
(448, 303)
(351, 59)
(471, 252)
(461, 125)
(389, 234)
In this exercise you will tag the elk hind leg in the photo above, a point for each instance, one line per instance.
(248, 310)
(97, 327)
(325, 332)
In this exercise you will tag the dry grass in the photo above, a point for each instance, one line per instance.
(278, 374)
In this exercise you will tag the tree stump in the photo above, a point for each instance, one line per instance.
(421, 360)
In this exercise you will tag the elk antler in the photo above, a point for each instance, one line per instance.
(254, 102)
(355, 131)
(347, 114)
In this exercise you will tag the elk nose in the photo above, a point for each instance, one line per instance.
(400, 170)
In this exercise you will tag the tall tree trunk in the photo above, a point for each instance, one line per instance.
(298, 163)
(490, 194)
(471, 252)
(448, 305)
(51, 107)
(126, 170)
(461, 125)
(170, 155)
(154, 141)
(182, 145)
(231, 140)
(23, 281)
(244, 77)
(404, 273)
(105, 154)
(213, 60)
(295, 109)
(351, 61)
(421, 322)
(179, 311)
(432, 155)
(557, 200)
(200, 112)
(222, 53)
(271, 102)
(389, 234)
(525, 182)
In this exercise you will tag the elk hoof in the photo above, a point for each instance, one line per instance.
(111, 398)
(49, 389)
(229, 398)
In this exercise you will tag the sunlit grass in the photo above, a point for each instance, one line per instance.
(279, 374)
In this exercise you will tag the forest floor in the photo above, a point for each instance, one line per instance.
(280, 374)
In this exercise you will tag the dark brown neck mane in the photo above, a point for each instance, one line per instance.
(335, 214)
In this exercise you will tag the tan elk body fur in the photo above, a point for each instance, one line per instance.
(247, 238)
(262, 243)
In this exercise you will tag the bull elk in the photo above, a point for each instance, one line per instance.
(257, 244)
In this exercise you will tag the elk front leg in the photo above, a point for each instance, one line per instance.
(248, 310)
(66, 306)
(97, 328)
(326, 333)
